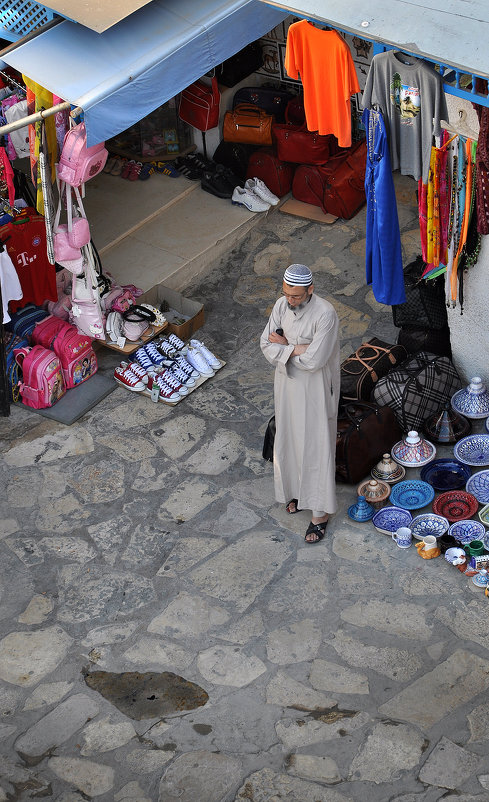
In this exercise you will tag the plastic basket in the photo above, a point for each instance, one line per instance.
(18, 18)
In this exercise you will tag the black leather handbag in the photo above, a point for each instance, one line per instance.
(239, 66)
(269, 440)
(425, 306)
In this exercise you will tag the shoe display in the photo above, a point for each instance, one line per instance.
(167, 393)
(141, 356)
(181, 376)
(172, 381)
(198, 361)
(209, 357)
(167, 350)
(177, 343)
(260, 189)
(138, 370)
(128, 379)
(216, 184)
(184, 365)
(167, 169)
(154, 354)
(243, 197)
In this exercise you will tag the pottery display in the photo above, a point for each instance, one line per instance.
(375, 492)
(455, 556)
(456, 505)
(464, 531)
(428, 524)
(388, 470)
(361, 511)
(447, 426)
(487, 424)
(484, 515)
(481, 580)
(478, 485)
(413, 451)
(412, 494)
(446, 474)
(473, 450)
(390, 519)
(473, 400)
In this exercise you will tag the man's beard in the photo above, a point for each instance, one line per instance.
(299, 306)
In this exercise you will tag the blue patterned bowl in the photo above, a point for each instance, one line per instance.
(473, 450)
(445, 474)
(390, 519)
(487, 424)
(465, 531)
(473, 400)
(412, 494)
(428, 524)
(478, 486)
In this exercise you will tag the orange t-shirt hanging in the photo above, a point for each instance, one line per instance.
(327, 71)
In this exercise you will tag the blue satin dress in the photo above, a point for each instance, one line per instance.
(383, 246)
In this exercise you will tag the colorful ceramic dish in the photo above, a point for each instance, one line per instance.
(428, 524)
(465, 531)
(472, 401)
(361, 511)
(390, 519)
(484, 515)
(456, 505)
(473, 450)
(446, 474)
(412, 494)
(413, 451)
(387, 470)
(478, 485)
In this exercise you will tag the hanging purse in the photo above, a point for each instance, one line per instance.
(248, 124)
(70, 237)
(86, 312)
(296, 144)
(199, 105)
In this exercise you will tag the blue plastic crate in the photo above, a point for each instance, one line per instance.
(20, 17)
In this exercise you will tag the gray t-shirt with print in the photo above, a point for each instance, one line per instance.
(409, 93)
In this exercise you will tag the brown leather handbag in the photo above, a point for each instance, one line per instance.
(248, 124)
(363, 369)
(296, 144)
(364, 433)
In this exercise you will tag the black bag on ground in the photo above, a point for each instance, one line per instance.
(267, 452)
(235, 156)
(425, 306)
(418, 388)
(239, 66)
(436, 341)
(366, 366)
(271, 99)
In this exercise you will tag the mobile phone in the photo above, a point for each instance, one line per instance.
(280, 332)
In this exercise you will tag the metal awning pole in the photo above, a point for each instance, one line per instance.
(33, 118)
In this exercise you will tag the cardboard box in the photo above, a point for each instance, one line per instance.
(179, 308)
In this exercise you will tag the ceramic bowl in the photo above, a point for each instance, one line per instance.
(484, 515)
(473, 400)
(429, 524)
(390, 519)
(456, 505)
(478, 485)
(446, 474)
(413, 451)
(473, 450)
(412, 494)
(487, 424)
(455, 556)
(465, 531)
(388, 470)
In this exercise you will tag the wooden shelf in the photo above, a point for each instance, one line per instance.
(130, 347)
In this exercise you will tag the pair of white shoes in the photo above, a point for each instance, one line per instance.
(255, 196)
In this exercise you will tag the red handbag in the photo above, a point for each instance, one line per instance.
(296, 144)
(337, 187)
(276, 174)
(199, 105)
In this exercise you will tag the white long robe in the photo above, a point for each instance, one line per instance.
(306, 402)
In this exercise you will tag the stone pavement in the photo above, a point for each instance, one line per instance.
(165, 632)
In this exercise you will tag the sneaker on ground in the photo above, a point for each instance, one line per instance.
(258, 187)
(189, 369)
(168, 351)
(199, 362)
(128, 379)
(154, 354)
(138, 370)
(143, 358)
(177, 343)
(167, 393)
(181, 376)
(171, 380)
(243, 197)
(208, 355)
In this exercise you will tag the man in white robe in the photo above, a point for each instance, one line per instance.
(306, 355)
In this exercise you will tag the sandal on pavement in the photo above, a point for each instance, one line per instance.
(294, 502)
(315, 529)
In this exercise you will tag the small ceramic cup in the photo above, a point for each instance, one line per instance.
(403, 537)
(429, 542)
(475, 547)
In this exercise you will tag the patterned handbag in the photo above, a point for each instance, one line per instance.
(425, 306)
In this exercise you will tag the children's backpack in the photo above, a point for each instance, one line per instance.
(74, 350)
(42, 380)
(77, 162)
(14, 373)
(22, 323)
(46, 331)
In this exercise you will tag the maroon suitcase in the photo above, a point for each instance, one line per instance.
(276, 174)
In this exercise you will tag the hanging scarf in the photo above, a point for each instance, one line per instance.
(38, 99)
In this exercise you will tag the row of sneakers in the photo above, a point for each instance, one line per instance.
(170, 364)
(255, 196)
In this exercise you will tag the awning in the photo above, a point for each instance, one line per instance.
(446, 31)
(96, 15)
(121, 75)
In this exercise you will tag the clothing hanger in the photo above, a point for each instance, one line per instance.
(461, 127)
(405, 58)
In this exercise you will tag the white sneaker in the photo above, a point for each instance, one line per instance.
(208, 355)
(243, 197)
(198, 361)
(260, 189)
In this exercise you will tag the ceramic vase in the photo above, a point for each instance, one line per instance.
(447, 426)
(413, 451)
(375, 492)
(388, 470)
(473, 401)
(361, 511)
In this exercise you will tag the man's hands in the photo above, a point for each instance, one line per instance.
(300, 349)
(277, 338)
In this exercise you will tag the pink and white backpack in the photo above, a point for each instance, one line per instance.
(74, 350)
(42, 380)
(78, 163)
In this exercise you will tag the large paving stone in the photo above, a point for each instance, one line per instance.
(129, 447)
(57, 726)
(104, 735)
(363, 547)
(188, 616)
(397, 664)
(106, 593)
(92, 779)
(297, 642)
(389, 750)
(327, 676)
(158, 654)
(109, 534)
(188, 499)
(302, 586)
(247, 627)
(37, 610)
(312, 767)
(26, 657)
(206, 776)
(479, 723)
(112, 633)
(188, 551)
(47, 694)
(227, 665)
(216, 456)
(155, 474)
(177, 436)
(240, 572)
(147, 544)
(237, 518)
(461, 677)
(99, 482)
(72, 549)
(146, 761)
(284, 690)
(50, 447)
(296, 733)
(137, 412)
(466, 621)
(266, 785)
(132, 792)
(449, 765)
(402, 620)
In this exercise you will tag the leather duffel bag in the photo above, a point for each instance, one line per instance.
(248, 124)
(271, 99)
(363, 369)
(295, 143)
(364, 433)
(337, 187)
(275, 173)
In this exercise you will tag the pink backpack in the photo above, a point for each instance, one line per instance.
(46, 331)
(74, 350)
(42, 383)
(78, 163)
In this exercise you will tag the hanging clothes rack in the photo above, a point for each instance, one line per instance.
(37, 117)
(13, 82)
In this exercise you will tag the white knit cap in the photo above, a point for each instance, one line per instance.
(298, 276)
